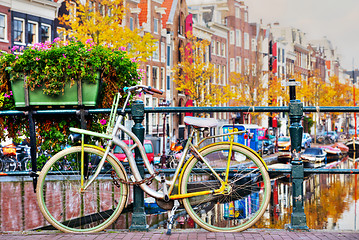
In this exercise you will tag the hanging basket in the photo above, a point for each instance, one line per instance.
(79, 94)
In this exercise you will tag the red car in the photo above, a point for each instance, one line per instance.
(117, 151)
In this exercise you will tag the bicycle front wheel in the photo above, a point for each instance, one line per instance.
(245, 196)
(70, 208)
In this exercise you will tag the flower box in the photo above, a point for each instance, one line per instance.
(71, 96)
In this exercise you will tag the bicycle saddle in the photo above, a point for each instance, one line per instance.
(201, 122)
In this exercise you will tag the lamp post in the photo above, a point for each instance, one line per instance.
(163, 157)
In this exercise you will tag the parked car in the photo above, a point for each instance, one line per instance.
(118, 152)
(306, 140)
(314, 157)
(284, 143)
(266, 147)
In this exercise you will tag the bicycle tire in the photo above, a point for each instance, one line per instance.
(61, 201)
(244, 201)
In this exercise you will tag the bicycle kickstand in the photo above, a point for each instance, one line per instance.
(171, 215)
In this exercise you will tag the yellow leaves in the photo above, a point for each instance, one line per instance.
(195, 74)
(103, 24)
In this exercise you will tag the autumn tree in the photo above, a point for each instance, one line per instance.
(196, 76)
(102, 22)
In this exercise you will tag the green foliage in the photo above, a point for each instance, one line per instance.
(52, 65)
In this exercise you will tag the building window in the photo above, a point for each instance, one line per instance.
(45, 32)
(163, 52)
(168, 56)
(238, 12)
(156, 53)
(155, 25)
(131, 23)
(224, 75)
(163, 78)
(155, 77)
(32, 32)
(246, 41)
(218, 49)
(238, 64)
(231, 64)
(148, 80)
(3, 29)
(213, 44)
(223, 50)
(238, 38)
(246, 66)
(19, 30)
(168, 83)
(231, 37)
(254, 45)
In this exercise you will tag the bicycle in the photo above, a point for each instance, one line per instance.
(223, 186)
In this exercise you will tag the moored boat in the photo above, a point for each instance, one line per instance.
(353, 152)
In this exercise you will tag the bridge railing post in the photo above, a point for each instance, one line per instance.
(298, 218)
(138, 216)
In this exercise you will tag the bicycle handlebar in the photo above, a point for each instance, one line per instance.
(147, 89)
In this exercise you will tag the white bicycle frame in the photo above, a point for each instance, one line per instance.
(114, 139)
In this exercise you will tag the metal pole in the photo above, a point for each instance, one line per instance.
(298, 218)
(33, 149)
(138, 216)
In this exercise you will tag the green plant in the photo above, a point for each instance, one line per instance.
(51, 66)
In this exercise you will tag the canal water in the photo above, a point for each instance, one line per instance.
(330, 202)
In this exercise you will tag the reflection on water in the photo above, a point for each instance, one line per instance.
(330, 201)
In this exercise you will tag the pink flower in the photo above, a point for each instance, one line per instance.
(15, 48)
(123, 48)
(37, 59)
(10, 93)
(7, 96)
(89, 49)
(88, 41)
(64, 55)
(133, 60)
(56, 39)
(103, 121)
(16, 57)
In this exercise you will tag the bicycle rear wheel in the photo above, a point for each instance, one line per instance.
(243, 201)
(70, 209)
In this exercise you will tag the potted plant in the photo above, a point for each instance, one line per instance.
(66, 73)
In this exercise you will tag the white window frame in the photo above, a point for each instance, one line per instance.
(231, 64)
(155, 25)
(49, 26)
(5, 39)
(238, 12)
(148, 75)
(132, 24)
(156, 53)
(223, 50)
(238, 38)
(23, 31)
(213, 47)
(163, 78)
(246, 41)
(246, 66)
(156, 77)
(231, 37)
(36, 31)
(163, 52)
(238, 64)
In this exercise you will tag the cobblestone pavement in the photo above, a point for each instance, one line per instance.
(255, 234)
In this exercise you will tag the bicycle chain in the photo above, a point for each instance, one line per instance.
(148, 180)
